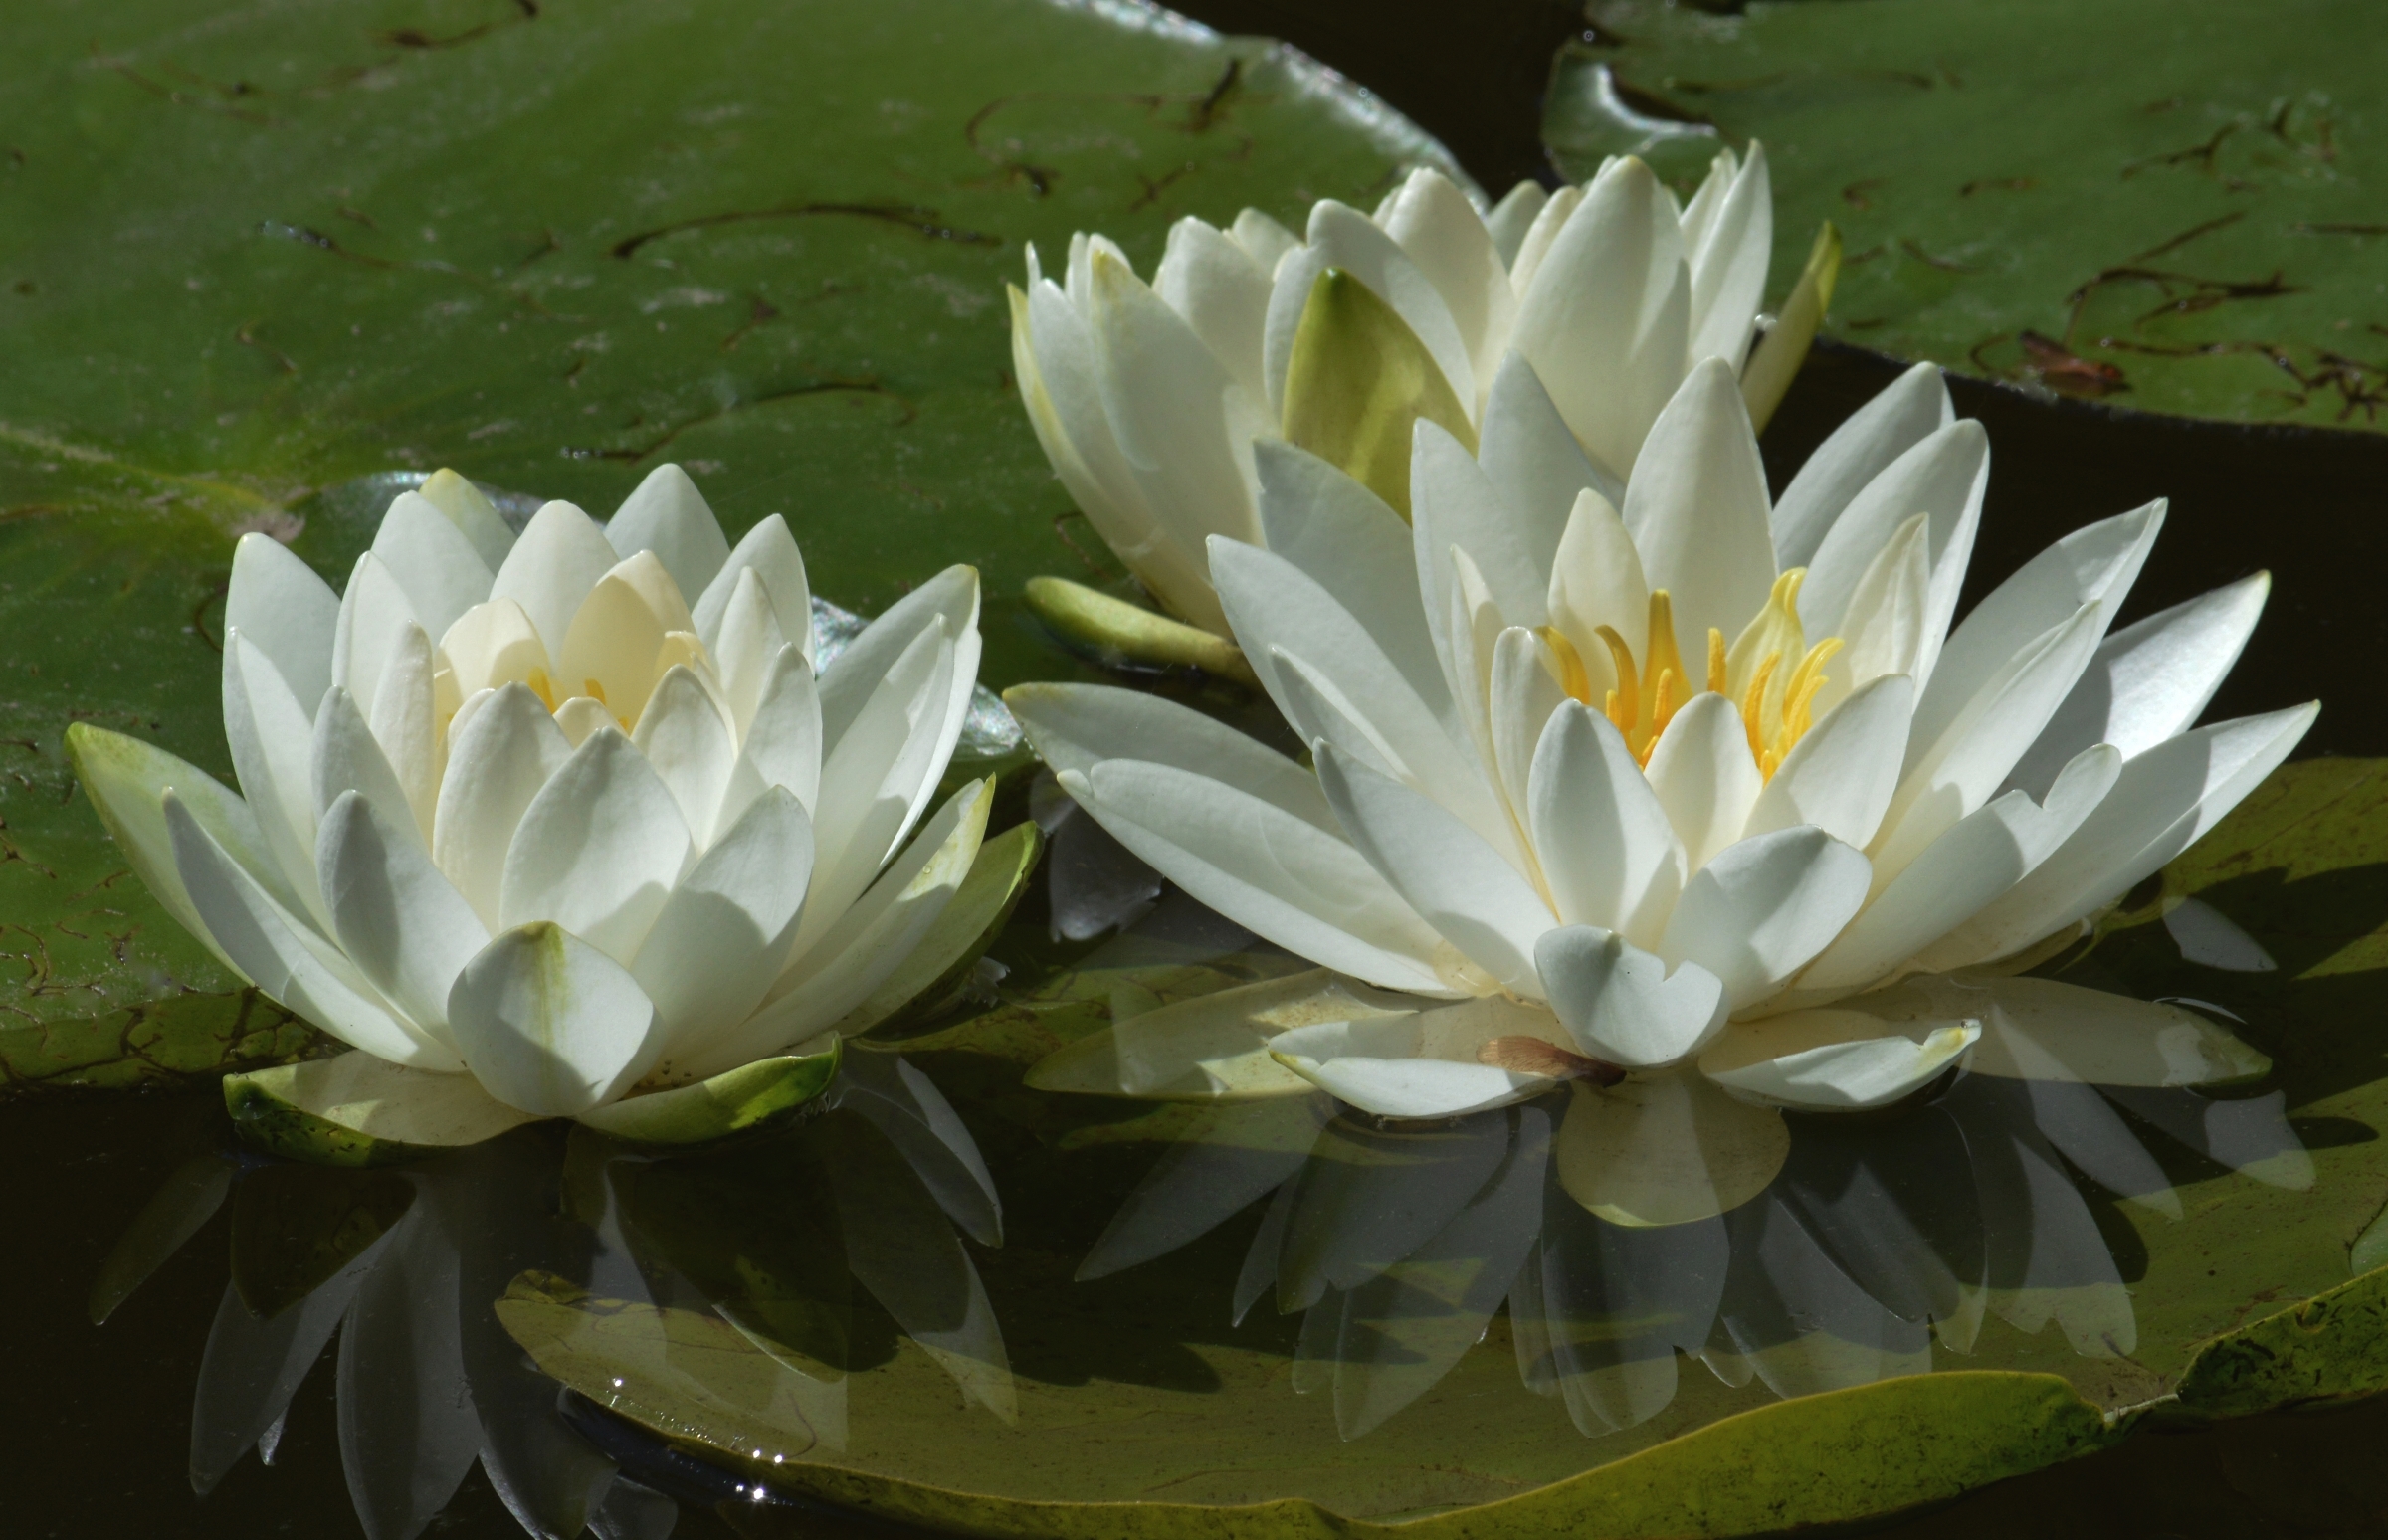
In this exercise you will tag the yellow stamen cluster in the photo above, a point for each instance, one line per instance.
(1775, 715)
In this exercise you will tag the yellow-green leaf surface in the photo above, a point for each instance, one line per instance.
(255, 260)
(2167, 207)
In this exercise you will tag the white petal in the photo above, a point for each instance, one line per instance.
(1697, 510)
(1075, 727)
(442, 574)
(549, 1023)
(1264, 238)
(598, 849)
(724, 934)
(615, 644)
(1513, 216)
(1346, 539)
(783, 743)
(1596, 580)
(1610, 855)
(1525, 694)
(1184, 425)
(1342, 236)
(1906, 412)
(1954, 877)
(686, 738)
(1728, 259)
(1704, 776)
(667, 515)
(2148, 682)
(1212, 1046)
(1550, 215)
(372, 1096)
(1834, 1061)
(2095, 565)
(404, 721)
(770, 553)
(1620, 1003)
(1452, 878)
(1453, 501)
(490, 645)
(1605, 315)
(1762, 908)
(470, 511)
(284, 959)
(347, 757)
(2042, 1029)
(1222, 292)
(948, 601)
(1944, 476)
(2161, 803)
(403, 924)
(272, 737)
(1439, 230)
(1274, 873)
(1672, 1149)
(1534, 463)
(746, 648)
(560, 556)
(278, 603)
(1421, 1064)
(1889, 616)
(1840, 775)
(497, 763)
(1947, 778)
(375, 614)
(869, 940)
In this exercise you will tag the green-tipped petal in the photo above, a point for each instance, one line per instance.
(1121, 634)
(359, 1110)
(126, 781)
(1779, 353)
(1359, 380)
(751, 1100)
(963, 931)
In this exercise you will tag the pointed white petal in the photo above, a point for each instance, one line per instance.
(347, 757)
(1906, 412)
(1842, 775)
(1439, 229)
(469, 511)
(783, 743)
(271, 735)
(126, 780)
(1608, 852)
(497, 763)
(1346, 539)
(282, 957)
(1620, 1003)
(1534, 463)
(1342, 236)
(667, 515)
(403, 925)
(1076, 726)
(1605, 315)
(278, 603)
(490, 645)
(1696, 508)
(2095, 564)
(770, 553)
(2042, 1029)
(374, 614)
(549, 1023)
(1453, 502)
(1422, 1065)
(440, 573)
(2148, 682)
(1264, 238)
(1222, 292)
(1450, 877)
(598, 849)
(1729, 255)
(404, 721)
(1298, 885)
(382, 1100)
(560, 556)
(690, 745)
(1943, 474)
(1550, 215)
(724, 934)
(1596, 580)
(1953, 879)
(1525, 692)
(1513, 216)
(1762, 908)
(1704, 776)
(746, 648)
(1834, 1061)
(1888, 618)
(948, 601)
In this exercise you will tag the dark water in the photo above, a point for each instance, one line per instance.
(98, 1439)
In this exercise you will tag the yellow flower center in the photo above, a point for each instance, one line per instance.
(1777, 705)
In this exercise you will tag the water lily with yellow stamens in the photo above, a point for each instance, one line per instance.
(1150, 400)
(1606, 787)
(563, 824)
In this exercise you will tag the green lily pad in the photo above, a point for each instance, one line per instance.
(256, 263)
(2161, 206)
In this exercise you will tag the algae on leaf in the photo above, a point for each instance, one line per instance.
(256, 261)
(2171, 208)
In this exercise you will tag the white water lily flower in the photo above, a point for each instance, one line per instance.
(1148, 399)
(534, 831)
(1609, 786)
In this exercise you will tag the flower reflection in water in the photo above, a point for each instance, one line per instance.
(404, 1264)
(1628, 1226)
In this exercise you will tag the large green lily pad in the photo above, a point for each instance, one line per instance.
(255, 260)
(2173, 208)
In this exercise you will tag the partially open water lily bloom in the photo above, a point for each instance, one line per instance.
(1607, 791)
(1149, 399)
(549, 825)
